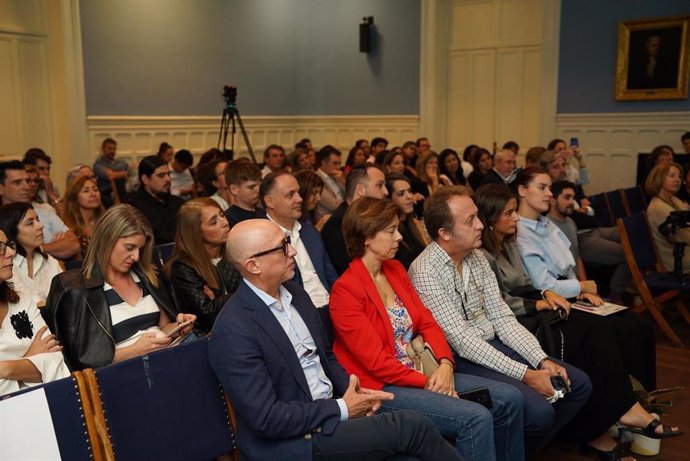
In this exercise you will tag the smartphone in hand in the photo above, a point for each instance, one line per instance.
(172, 333)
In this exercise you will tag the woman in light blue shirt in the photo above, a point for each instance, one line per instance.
(544, 248)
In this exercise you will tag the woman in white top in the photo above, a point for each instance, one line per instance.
(663, 183)
(29, 354)
(33, 268)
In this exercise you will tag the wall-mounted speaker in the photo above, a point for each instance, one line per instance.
(365, 34)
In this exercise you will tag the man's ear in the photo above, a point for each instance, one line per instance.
(144, 179)
(232, 188)
(360, 190)
(268, 199)
(252, 267)
(444, 234)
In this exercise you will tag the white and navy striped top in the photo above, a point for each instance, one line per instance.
(130, 322)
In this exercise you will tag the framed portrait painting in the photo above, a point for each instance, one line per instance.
(653, 59)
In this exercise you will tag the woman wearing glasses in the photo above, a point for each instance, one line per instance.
(202, 277)
(29, 353)
(376, 313)
(34, 269)
(114, 307)
(83, 207)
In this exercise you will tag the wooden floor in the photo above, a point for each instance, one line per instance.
(673, 368)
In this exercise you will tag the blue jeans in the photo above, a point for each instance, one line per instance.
(543, 420)
(480, 434)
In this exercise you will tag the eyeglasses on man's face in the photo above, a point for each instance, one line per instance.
(5, 245)
(283, 246)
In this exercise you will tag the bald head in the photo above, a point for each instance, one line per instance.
(249, 237)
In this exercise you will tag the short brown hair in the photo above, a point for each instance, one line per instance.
(363, 219)
(437, 214)
(239, 171)
(533, 154)
(657, 176)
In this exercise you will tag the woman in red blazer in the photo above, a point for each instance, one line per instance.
(376, 312)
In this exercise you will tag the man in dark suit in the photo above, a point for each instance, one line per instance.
(279, 194)
(292, 398)
(504, 167)
(363, 181)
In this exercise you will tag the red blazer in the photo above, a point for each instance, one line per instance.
(364, 343)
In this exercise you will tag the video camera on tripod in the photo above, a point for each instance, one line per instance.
(674, 221)
(230, 113)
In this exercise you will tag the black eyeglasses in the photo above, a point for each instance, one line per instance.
(5, 245)
(283, 247)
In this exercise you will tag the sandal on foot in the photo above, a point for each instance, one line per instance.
(650, 430)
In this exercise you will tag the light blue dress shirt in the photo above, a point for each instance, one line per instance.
(546, 257)
(303, 343)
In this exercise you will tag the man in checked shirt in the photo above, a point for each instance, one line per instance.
(455, 281)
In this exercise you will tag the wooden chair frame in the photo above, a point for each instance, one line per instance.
(655, 304)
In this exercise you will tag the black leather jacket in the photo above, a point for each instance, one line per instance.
(191, 297)
(77, 313)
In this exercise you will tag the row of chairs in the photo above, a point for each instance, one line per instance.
(657, 288)
(619, 203)
(165, 405)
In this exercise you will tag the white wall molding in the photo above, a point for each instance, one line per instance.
(138, 136)
(611, 141)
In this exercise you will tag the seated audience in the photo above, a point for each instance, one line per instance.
(274, 160)
(378, 146)
(33, 269)
(47, 190)
(684, 192)
(512, 145)
(29, 353)
(364, 181)
(293, 400)
(449, 166)
(166, 152)
(181, 180)
(107, 168)
(602, 250)
(203, 279)
(532, 156)
(77, 171)
(663, 183)
(211, 179)
(429, 179)
(299, 160)
(376, 314)
(333, 194)
(60, 241)
(414, 236)
(394, 162)
(454, 280)
(242, 180)
(423, 146)
(279, 194)
(114, 308)
(544, 248)
(503, 170)
(685, 139)
(468, 158)
(83, 207)
(354, 158)
(154, 200)
(659, 155)
(409, 150)
(482, 164)
(580, 175)
(310, 189)
(606, 348)
(364, 144)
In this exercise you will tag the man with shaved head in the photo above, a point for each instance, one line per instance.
(292, 398)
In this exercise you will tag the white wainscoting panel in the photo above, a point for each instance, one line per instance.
(138, 137)
(612, 141)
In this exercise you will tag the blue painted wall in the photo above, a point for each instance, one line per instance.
(587, 60)
(287, 57)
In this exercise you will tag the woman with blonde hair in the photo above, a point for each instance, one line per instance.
(663, 184)
(202, 277)
(114, 307)
(83, 207)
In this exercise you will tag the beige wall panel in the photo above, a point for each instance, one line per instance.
(22, 16)
(481, 111)
(648, 139)
(472, 24)
(520, 20)
(621, 172)
(622, 140)
(33, 64)
(531, 98)
(11, 138)
(509, 103)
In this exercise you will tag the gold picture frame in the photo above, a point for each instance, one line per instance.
(653, 59)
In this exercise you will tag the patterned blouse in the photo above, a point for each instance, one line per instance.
(402, 330)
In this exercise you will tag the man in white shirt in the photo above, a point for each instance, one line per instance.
(181, 181)
(279, 194)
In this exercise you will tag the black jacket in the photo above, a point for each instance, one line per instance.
(189, 289)
(334, 241)
(77, 313)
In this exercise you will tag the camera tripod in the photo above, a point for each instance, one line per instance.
(230, 113)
